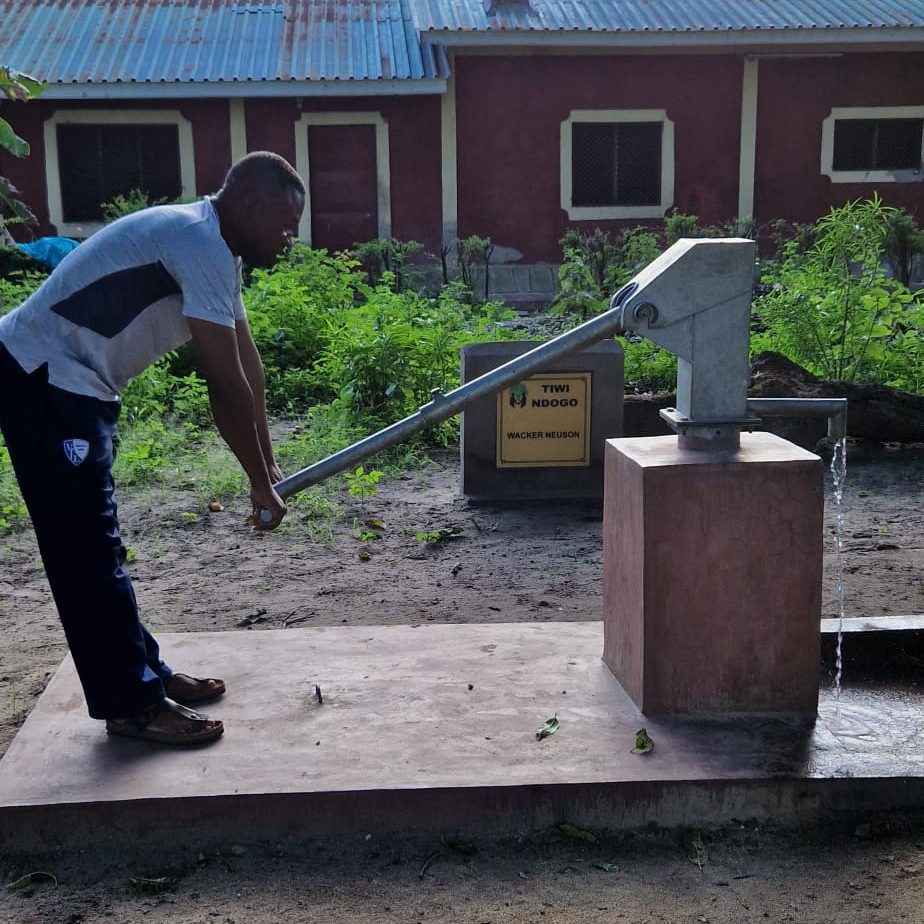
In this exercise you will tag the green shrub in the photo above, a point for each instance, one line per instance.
(12, 509)
(834, 310)
(595, 265)
(293, 311)
(387, 255)
(471, 252)
(678, 225)
(160, 394)
(134, 201)
(383, 357)
(17, 288)
(902, 360)
(648, 367)
(903, 241)
(16, 263)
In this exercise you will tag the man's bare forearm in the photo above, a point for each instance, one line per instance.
(240, 430)
(234, 408)
(256, 377)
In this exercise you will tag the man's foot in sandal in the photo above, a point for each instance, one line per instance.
(167, 723)
(182, 688)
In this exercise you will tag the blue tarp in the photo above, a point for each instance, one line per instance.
(49, 251)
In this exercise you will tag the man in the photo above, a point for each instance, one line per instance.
(135, 290)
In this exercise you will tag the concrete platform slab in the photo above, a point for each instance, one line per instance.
(433, 728)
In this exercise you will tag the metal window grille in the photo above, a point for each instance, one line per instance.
(99, 162)
(615, 163)
(878, 144)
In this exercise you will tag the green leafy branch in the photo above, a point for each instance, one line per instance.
(19, 88)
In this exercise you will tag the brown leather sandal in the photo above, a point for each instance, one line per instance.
(167, 723)
(182, 688)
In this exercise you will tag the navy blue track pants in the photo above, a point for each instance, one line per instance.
(62, 449)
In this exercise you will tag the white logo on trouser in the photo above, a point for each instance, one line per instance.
(76, 451)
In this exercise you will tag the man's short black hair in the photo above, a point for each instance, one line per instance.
(266, 170)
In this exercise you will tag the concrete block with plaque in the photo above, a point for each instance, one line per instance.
(544, 436)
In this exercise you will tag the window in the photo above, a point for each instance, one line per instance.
(92, 156)
(873, 145)
(877, 144)
(617, 164)
(99, 162)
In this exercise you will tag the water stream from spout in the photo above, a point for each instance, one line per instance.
(839, 476)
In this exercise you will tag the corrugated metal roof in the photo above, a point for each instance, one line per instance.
(665, 16)
(82, 43)
(201, 41)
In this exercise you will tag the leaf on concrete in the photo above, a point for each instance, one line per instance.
(578, 834)
(643, 742)
(549, 727)
(31, 879)
(153, 886)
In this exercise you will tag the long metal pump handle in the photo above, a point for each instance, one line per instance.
(448, 405)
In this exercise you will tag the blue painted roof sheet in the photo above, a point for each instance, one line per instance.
(138, 41)
(261, 41)
(665, 16)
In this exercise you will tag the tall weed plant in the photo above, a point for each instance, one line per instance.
(833, 308)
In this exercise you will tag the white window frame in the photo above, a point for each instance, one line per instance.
(110, 117)
(600, 213)
(866, 176)
(382, 162)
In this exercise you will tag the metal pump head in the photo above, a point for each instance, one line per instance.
(695, 301)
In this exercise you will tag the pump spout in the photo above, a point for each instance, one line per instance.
(834, 409)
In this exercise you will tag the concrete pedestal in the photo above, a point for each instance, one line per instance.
(713, 567)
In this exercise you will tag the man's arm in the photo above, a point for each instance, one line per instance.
(253, 370)
(233, 407)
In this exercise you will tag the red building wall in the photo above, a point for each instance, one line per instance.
(416, 169)
(509, 112)
(794, 98)
(270, 126)
(27, 174)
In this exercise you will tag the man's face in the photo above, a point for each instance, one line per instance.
(272, 227)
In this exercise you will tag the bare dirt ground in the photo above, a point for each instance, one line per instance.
(197, 570)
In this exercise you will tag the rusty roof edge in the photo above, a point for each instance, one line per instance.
(770, 36)
(223, 89)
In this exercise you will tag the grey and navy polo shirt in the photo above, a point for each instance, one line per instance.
(120, 300)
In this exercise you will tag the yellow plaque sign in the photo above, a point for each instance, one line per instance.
(544, 421)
